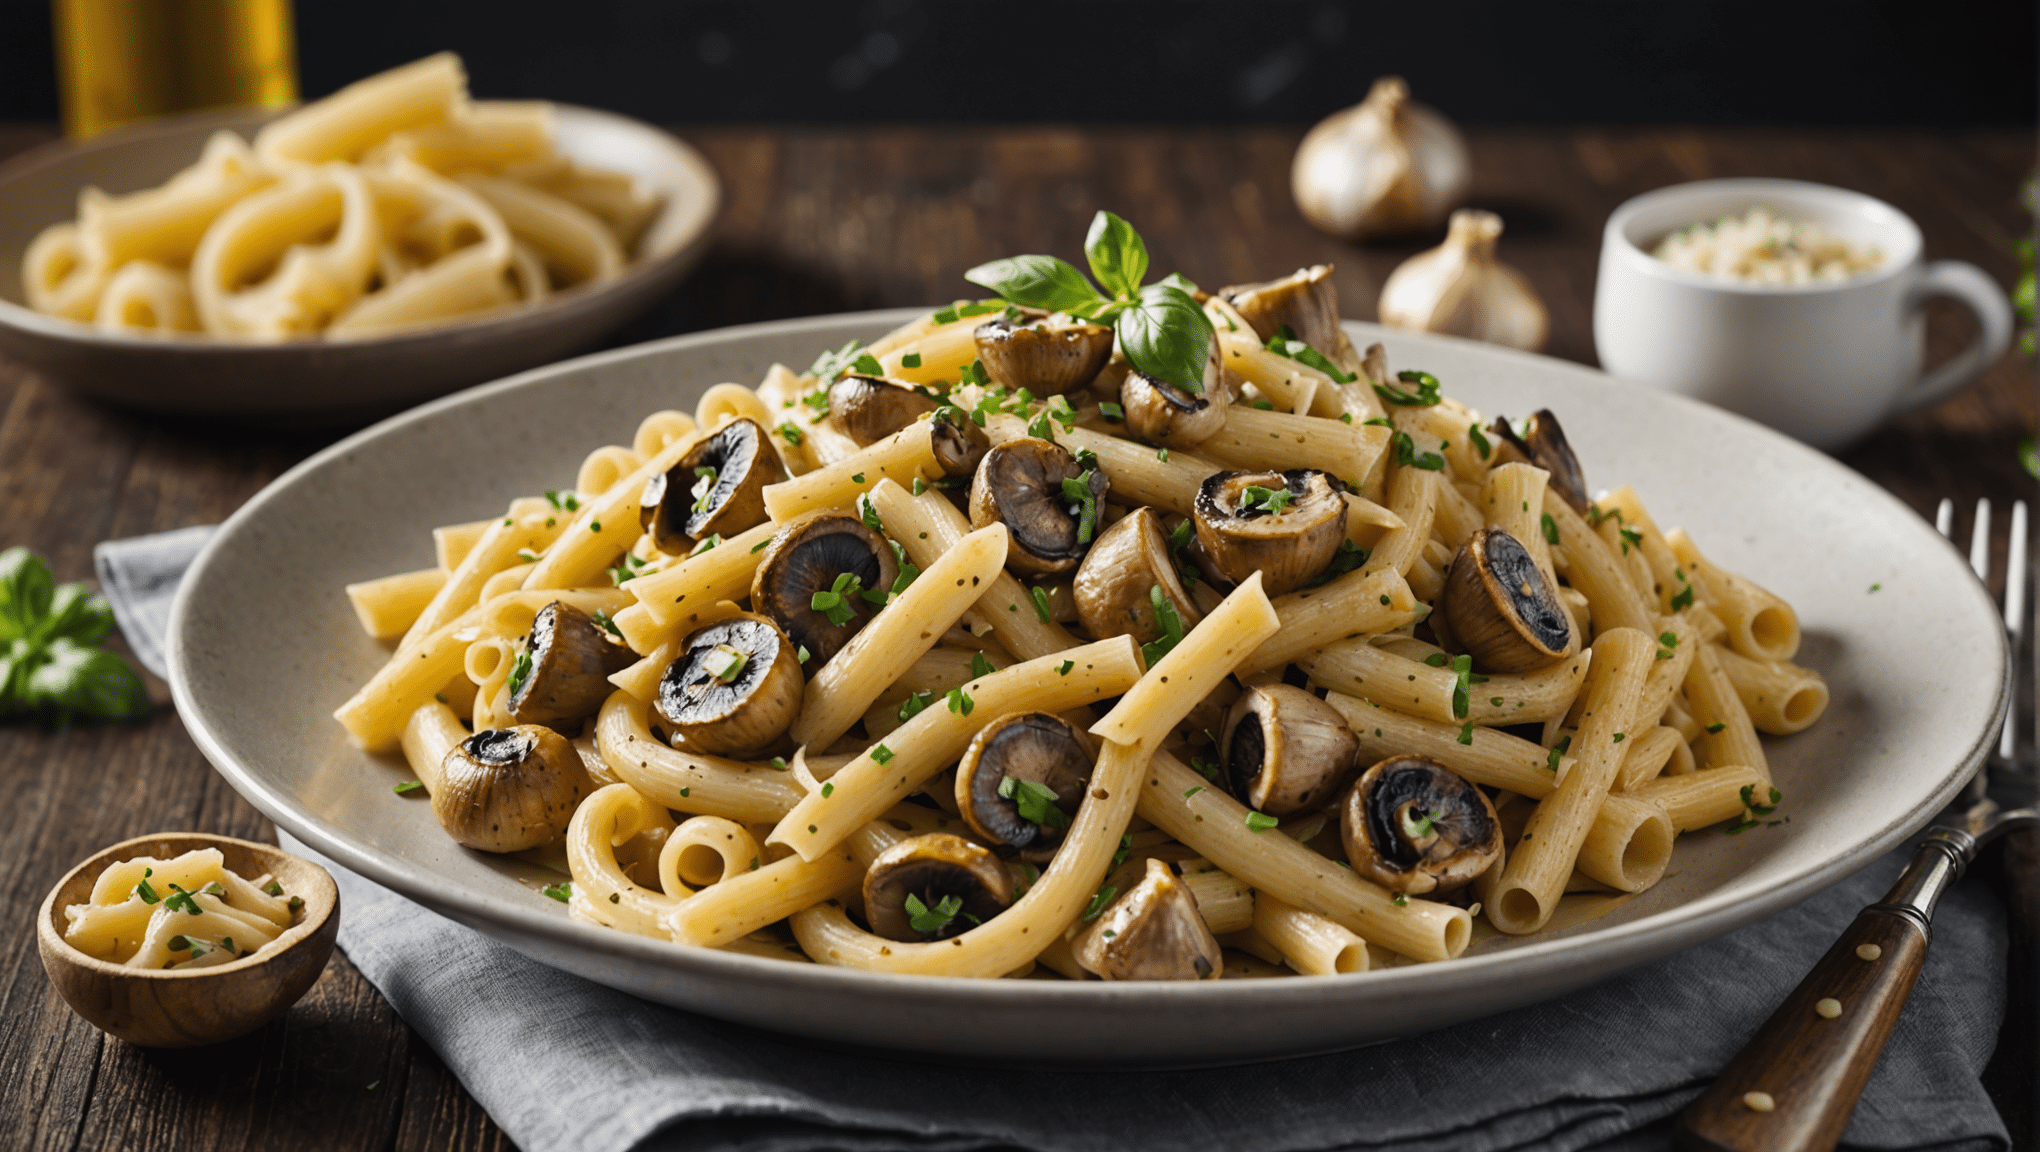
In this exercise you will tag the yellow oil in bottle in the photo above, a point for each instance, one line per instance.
(123, 61)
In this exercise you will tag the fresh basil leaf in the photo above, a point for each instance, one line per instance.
(25, 593)
(78, 613)
(88, 681)
(1118, 256)
(1178, 280)
(17, 659)
(1036, 282)
(1166, 335)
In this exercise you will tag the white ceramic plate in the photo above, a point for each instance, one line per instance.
(316, 381)
(264, 645)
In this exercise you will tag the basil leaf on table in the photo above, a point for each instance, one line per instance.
(1037, 282)
(50, 658)
(25, 593)
(78, 613)
(1118, 256)
(92, 681)
(1166, 335)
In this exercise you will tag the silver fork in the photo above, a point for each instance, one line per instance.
(1792, 1087)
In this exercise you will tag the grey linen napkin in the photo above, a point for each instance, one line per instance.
(563, 1063)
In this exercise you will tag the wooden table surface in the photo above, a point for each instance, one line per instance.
(826, 221)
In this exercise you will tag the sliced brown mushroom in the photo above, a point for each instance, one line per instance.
(717, 489)
(959, 445)
(811, 557)
(1285, 749)
(1305, 302)
(565, 668)
(1153, 932)
(1045, 359)
(1499, 608)
(1416, 827)
(1115, 586)
(1285, 525)
(933, 887)
(868, 409)
(1020, 484)
(734, 689)
(508, 789)
(1543, 443)
(1163, 414)
(1022, 779)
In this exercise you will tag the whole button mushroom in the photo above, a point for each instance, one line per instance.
(567, 661)
(1500, 609)
(1285, 525)
(1165, 415)
(1542, 442)
(1416, 827)
(1021, 484)
(717, 489)
(1285, 749)
(1022, 779)
(509, 789)
(812, 579)
(933, 887)
(1152, 932)
(735, 689)
(1117, 583)
(868, 409)
(1304, 302)
(1046, 359)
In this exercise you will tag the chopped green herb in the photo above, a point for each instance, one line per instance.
(1618, 737)
(616, 897)
(1162, 454)
(778, 763)
(146, 890)
(792, 433)
(761, 545)
(1550, 529)
(928, 921)
(911, 360)
(1631, 538)
(857, 477)
(1041, 604)
(1715, 729)
(1462, 691)
(1206, 767)
(1261, 821)
(594, 525)
(408, 786)
(915, 703)
(837, 602)
(1684, 598)
(1407, 456)
(867, 365)
(1193, 791)
(1480, 441)
(1265, 405)
(1084, 503)
(520, 670)
(1119, 857)
(296, 902)
(603, 619)
(1437, 659)
(1034, 802)
(830, 365)
(882, 754)
(828, 790)
(1425, 396)
(1099, 903)
(1345, 417)
(1873, 588)
(979, 666)
(1284, 343)
(1111, 411)
(1401, 901)
(1466, 732)
(274, 888)
(920, 485)
(960, 701)
(1172, 627)
(802, 655)
(708, 544)
(562, 891)
(1557, 750)
(725, 663)
(1272, 500)
(181, 901)
(868, 512)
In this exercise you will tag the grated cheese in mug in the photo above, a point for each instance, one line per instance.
(1759, 248)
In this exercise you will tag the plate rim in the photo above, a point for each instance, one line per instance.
(1634, 943)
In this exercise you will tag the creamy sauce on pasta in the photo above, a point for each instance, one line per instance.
(188, 912)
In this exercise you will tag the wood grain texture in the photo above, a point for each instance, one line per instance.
(825, 221)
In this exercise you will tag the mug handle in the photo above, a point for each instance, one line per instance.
(1973, 287)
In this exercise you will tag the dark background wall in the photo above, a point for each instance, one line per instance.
(1944, 62)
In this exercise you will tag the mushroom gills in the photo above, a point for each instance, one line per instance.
(1022, 780)
(1151, 932)
(1046, 359)
(1288, 526)
(717, 489)
(1305, 302)
(933, 887)
(1416, 827)
(1020, 484)
(509, 789)
(868, 409)
(812, 579)
(566, 664)
(1285, 749)
(735, 688)
(1543, 443)
(1499, 608)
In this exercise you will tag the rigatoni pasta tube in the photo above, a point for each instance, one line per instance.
(1196, 665)
(1701, 799)
(1254, 439)
(1490, 756)
(1182, 803)
(1139, 474)
(1781, 697)
(388, 607)
(750, 900)
(602, 892)
(1357, 604)
(583, 549)
(1628, 845)
(520, 529)
(1761, 625)
(927, 526)
(687, 781)
(932, 741)
(429, 735)
(1412, 496)
(1310, 943)
(1649, 752)
(1668, 576)
(1544, 856)
(839, 692)
(1226, 904)
(1595, 570)
(1359, 668)
(900, 457)
(1728, 737)
(675, 596)
(450, 543)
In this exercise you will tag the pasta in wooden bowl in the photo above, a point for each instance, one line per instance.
(903, 665)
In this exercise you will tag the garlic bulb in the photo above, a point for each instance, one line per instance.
(1385, 166)
(1459, 288)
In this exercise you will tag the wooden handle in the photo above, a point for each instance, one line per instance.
(1792, 1087)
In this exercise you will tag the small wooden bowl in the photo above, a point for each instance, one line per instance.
(165, 1008)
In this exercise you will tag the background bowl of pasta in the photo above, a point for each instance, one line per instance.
(264, 643)
(343, 260)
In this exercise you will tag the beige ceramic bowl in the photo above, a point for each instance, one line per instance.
(316, 382)
(185, 1008)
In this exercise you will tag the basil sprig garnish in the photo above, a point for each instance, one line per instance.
(1161, 328)
(50, 658)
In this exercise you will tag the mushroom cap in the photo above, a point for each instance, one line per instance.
(1543, 443)
(746, 713)
(571, 661)
(1499, 608)
(868, 409)
(1163, 414)
(1287, 547)
(1285, 749)
(1151, 932)
(805, 557)
(931, 868)
(959, 448)
(1019, 484)
(1414, 826)
(508, 789)
(744, 462)
(1114, 588)
(1305, 302)
(1045, 360)
(1037, 747)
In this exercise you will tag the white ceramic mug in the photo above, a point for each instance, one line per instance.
(1824, 363)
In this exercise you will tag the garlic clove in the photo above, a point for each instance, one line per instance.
(1460, 289)
(1383, 167)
